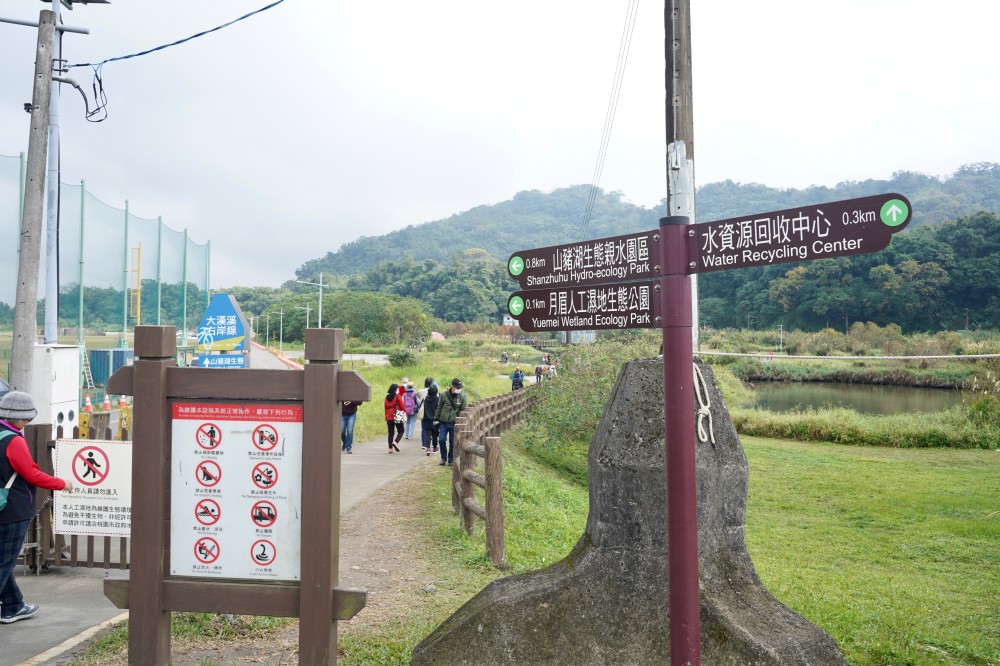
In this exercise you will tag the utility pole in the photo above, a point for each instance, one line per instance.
(50, 329)
(306, 308)
(680, 126)
(678, 373)
(319, 315)
(781, 339)
(25, 305)
(281, 331)
(267, 332)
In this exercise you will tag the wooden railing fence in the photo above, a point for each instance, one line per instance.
(477, 434)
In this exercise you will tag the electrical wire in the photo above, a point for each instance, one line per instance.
(101, 97)
(609, 118)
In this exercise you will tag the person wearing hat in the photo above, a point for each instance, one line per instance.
(449, 408)
(21, 475)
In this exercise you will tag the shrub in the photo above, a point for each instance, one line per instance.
(403, 357)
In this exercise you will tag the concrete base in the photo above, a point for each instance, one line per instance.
(606, 603)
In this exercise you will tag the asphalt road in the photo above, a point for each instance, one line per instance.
(73, 606)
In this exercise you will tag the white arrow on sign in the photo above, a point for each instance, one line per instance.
(895, 211)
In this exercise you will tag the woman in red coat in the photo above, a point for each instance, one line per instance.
(394, 403)
(17, 467)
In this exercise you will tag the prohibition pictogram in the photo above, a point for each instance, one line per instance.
(206, 550)
(207, 512)
(209, 436)
(263, 552)
(264, 514)
(90, 470)
(265, 437)
(264, 475)
(208, 473)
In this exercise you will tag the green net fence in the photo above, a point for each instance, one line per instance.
(116, 269)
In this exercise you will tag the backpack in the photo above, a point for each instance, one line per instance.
(409, 404)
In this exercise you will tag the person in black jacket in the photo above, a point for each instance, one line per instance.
(450, 408)
(428, 429)
(21, 472)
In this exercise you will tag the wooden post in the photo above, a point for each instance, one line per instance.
(149, 621)
(494, 502)
(467, 461)
(456, 470)
(320, 550)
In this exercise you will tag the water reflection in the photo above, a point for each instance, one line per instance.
(788, 396)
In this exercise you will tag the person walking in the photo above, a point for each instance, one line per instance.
(348, 417)
(410, 405)
(517, 379)
(421, 397)
(20, 474)
(395, 416)
(449, 408)
(428, 429)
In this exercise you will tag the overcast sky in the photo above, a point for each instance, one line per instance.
(314, 123)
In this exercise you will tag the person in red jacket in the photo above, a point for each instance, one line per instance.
(16, 410)
(393, 403)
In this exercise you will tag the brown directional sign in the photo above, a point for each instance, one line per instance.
(805, 233)
(598, 307)
(597, 261)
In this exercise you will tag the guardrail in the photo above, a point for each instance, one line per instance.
(477, 434)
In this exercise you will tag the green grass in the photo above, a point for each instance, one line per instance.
(895, 553)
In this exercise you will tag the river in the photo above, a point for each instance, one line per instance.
(788, 396)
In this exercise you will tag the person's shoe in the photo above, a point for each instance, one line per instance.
(349, 451)
(435, 449)
(28, 610)
(441, 464)
(449, 464)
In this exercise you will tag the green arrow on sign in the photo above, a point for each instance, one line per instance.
(894, 212)
(515, 265)
(515, 306)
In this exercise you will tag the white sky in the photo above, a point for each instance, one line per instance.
(314, 123)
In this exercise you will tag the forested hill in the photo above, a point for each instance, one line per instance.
(536, 219)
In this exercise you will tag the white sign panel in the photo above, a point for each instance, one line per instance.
(236, 485)
(101, 501)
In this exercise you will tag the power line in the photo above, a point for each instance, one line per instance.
(609, 118)
(179, 41)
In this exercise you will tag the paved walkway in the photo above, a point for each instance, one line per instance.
(73, 606)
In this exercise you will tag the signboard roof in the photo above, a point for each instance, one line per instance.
(601, 260)
(805, 233)
(598, 307)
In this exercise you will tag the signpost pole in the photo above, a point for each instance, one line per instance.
(679, 454)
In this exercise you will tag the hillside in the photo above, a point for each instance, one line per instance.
(536, 219)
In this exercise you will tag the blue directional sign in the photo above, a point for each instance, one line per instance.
(221, 361)
(223, 328)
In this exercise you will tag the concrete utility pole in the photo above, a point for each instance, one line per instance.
(25, 305)
(50, 328)
(680, 125)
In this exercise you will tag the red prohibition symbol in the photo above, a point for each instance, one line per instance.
(265, 437)
(209, 436)
(90, 466)
(263, 553)
(208, 473)
(207, 512)
(206, 550)
(264, 475)
(264, 514)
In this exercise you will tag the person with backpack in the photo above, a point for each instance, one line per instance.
(395, 415)
(452, 403)
(428, 426)
(421, 397)
(410, 405)
(20, 475)
(517, 380)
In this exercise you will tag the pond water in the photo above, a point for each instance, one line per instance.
(787, 396)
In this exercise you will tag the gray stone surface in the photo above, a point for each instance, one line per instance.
(606, 603)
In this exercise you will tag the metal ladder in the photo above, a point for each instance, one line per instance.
(88, 377)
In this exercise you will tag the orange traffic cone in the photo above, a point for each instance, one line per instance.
(107, 403)
(121, 402)
(87, 407)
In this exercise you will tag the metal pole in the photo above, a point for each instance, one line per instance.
(680, 125)
(79, 277)
(25, 303)
(281, 331)
(184, 290)
(679, 454)
(124, 338)
(52, 200)
(267, 336)
(208, 271)
(20, 200)
(159, 267)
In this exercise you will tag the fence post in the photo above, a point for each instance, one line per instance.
(467, 461)
(494, 502)
(456, 473)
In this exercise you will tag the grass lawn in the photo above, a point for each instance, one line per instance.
(896, 553)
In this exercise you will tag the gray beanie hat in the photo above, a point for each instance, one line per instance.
(17, 405)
